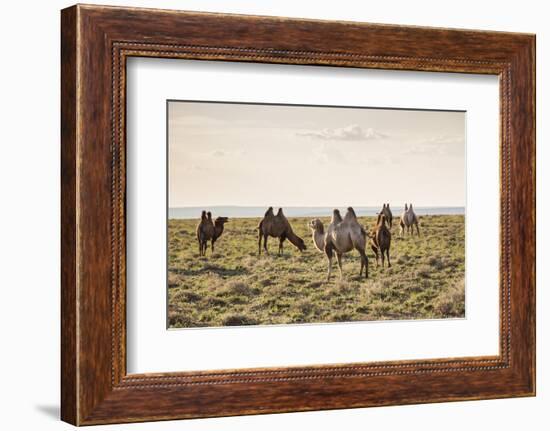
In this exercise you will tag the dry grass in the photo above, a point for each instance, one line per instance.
(235, 286)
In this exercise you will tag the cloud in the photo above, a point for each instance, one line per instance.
(353, 132)
(218, 153)
(190, 167)
(438, 145)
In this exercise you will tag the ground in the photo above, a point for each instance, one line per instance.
(235, 286)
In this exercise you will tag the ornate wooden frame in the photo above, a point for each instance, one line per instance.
(95, 43)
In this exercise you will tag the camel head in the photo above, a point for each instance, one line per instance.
(220, 221)
(316, 225)
(299, 243)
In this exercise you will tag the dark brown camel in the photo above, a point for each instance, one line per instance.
(277, 226)
(207, 230)
(387, 212)
(380, 239)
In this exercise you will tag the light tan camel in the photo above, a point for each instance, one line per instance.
(277, 226)
(342, 236)
(207, 230)
(408, 221)
(380, 239)
(387, 212)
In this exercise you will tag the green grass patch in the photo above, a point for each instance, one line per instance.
(235, 286)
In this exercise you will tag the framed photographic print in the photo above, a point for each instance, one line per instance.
(267, 215)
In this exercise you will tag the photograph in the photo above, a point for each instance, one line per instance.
(292, 214)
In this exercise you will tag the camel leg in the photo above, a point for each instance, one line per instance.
(339, 260)
(328, 252)
(265, 244)
(388, 255)
(364, 263)
(417, 230)
(401, 229)
(213, 246)
(382, 257)
(281, 240)
(259, 243)
(375, 254)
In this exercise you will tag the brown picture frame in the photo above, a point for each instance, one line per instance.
(95, 43)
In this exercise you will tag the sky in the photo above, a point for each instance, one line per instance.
(224, 154)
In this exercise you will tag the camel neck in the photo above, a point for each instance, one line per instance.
(319, 239)
(218, 230)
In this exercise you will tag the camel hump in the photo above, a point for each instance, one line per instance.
(280, 212)
(350, 214)
(336, 216)
(269, 212)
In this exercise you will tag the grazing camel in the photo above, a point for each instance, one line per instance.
(208, 230)
(380, 239)
(277, 226)
(342, 235)
(387, 212)
(408, 220)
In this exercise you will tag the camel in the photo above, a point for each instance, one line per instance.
(342, 236)
(208, 230)
(408, 221)
(387, 212)
(277, 226)
(380, 239)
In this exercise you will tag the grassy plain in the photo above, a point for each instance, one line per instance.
(235, 286)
